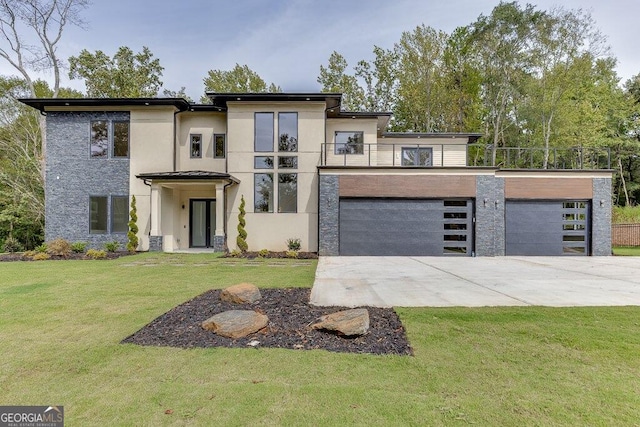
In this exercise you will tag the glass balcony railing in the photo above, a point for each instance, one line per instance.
(463, 155)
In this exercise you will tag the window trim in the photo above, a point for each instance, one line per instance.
(191, 156)
(113, 138)
(224, 145)
(107, 151)
(335, 144)
(255, 199)
(111, 214)
(106, 228)
(255, 131)
(279, 133)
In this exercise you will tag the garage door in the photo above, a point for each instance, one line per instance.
(547, 227)
(406, 227)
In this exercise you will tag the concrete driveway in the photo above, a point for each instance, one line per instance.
(476, 282)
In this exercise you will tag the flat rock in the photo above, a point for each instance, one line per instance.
(348, 322)
(241, 293)
(236, 323)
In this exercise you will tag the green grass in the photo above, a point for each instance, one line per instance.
(61, 324)
(626, 250)
(626, 215)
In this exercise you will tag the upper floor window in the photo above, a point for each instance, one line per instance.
(104, 134)
(417, 156)
(196, 146)
(349, 143)
(263, 141)
(287, 131)
(219, 145)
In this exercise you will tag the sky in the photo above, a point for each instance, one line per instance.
(286, 41)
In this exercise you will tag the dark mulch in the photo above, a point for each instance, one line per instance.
(275, 254)
(18, 256)
(290, 316)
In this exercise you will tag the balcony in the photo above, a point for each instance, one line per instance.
(463, 155)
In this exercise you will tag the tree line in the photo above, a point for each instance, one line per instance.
(520, 76)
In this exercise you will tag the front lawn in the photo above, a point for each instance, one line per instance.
(626, 250)
(61, 323)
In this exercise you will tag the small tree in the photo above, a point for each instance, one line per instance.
(132, 234)
(241, 241)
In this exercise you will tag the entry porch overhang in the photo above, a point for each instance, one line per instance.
(167, 222)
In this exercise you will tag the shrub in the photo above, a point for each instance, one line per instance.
(42, 248)
(78, 247)
(292, 254)
(241, 241)
(112, 246)
(11, 244)
(29, 254)
(235, 253)
(59, 247)
(132, 234)
(263, 253)
(41, 256)
(294, 244)
(96, 254)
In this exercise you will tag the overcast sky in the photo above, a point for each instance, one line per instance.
(286, 41)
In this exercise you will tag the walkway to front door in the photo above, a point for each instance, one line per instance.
(202, 222)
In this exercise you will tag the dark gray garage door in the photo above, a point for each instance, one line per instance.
(547, 227)
(406, 227)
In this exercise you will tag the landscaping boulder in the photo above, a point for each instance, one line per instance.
(241, 294)
(236, 323)
(349, 322)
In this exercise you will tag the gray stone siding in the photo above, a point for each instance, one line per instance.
(601, 217)
(328, 216)
(155, 243)
(490, 226)
(71, 177)
(219, 244)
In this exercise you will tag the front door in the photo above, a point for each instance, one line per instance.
(202, 222)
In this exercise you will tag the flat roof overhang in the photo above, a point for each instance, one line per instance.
(43, 104)
(332, 100)
(187, 176)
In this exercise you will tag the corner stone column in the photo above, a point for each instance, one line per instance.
(490, 210)
(601, 217)
(328, 213)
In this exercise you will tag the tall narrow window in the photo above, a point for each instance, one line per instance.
(196, 146)
(287, 131)
(349, 143)
(119, 214)
(219, 145)
(263, 192)
(288, 192)
(263, 132)
(120, 139)
(98, 215)
(99, 138)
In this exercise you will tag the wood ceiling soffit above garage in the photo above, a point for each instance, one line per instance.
(548, 188)
(407, 186)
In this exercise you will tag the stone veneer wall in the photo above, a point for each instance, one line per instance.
(328, 216)
(490, 224)
(601, 217)
(72, 176)
(155, 243)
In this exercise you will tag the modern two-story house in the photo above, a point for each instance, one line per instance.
(306, 169)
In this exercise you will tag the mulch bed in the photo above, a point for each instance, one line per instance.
(18, 256)
(290, 316)
(275, 254)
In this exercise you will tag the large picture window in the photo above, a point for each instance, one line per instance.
(288, 192)
(99, 138)
(287, 131)
(349, 143)
(263, 132)
(119, 214)
(120, 139)
(263, 192)
(98, 215)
